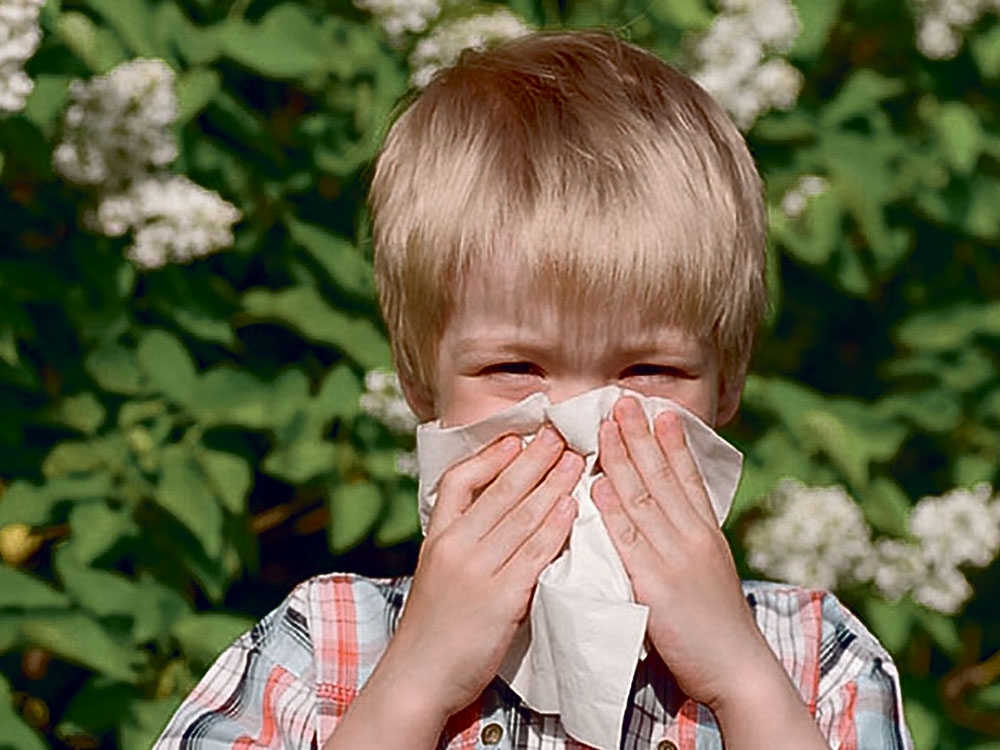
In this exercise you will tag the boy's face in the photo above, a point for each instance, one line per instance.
(499, 348)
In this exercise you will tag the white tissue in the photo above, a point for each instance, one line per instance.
(577, 653)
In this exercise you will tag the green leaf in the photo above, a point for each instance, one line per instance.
(97, 528)
(158, 609)
(195, 89)
(77, 638)
(348, 269)
(339, 395)
(950, 328)
(97, 707)
(202, 637)
(942, 630)
(167, 365)
(133, 24)
(47, 101)
(146, 720)
(960, 134)
(934, 410)
(203, 325)
(817, 18)
(80, 457)
(986, 52)
(302, 308)
(891, 622)
(401, 522)
(886, 507)
(22, 591)
(302, 461)
(861, 93)
(182, 493)
(287, 43)
(82, 412)
(230, 478)
(16, 734)
(103, 593)
(34, 505)
(229, 396)
(924, 724)
(354, 509)
(114, 369)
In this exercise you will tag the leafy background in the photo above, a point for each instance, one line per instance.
(179, 447)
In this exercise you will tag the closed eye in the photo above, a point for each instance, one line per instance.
(650, 370)
(512, 368)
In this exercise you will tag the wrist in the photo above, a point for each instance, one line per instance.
(763, 708)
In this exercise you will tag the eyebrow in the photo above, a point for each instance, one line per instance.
(530, 347)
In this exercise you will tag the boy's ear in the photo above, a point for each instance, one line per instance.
(730, 393)
(418, 396)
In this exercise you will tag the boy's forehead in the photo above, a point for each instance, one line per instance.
(499, 305)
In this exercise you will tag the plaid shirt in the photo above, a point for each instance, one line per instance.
(289, 680)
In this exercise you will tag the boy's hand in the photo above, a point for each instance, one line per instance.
(500, 518)
(661, 521)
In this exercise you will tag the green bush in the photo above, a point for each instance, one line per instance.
(175, 438)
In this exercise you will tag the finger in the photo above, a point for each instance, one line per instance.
(647, 454)
(513, 529)
(636, 500)
(543, 546)
(632, 545)
(669, 431)
(514, 483)
(460, 483)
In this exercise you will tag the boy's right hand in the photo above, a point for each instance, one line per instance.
(501, 517)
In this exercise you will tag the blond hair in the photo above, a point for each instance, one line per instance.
(611, 181)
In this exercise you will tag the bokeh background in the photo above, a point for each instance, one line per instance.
(197, 408)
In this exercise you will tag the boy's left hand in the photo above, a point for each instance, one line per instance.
(661, 521)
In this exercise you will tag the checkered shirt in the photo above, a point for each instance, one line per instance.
(289, 680)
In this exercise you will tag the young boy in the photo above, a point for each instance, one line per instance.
(556, 215)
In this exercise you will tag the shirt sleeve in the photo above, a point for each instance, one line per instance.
(260, 693)
(860, 704)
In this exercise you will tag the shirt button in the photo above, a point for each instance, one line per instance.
(666, 745)
(491, 734)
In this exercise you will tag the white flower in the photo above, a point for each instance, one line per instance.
(20, 36)
(958, 528)
(941, 24)
(444, 44)
(731, 60)
(118, 126)
(794, 202)
(173, 220)
(407, 464)
(398, 17)
(901, 567)
(943, 589)
(383, 399)
(815, 536)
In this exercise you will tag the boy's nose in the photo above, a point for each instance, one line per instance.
(564, 390)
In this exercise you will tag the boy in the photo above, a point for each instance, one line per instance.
(559, 214)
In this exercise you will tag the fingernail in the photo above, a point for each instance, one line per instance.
(549, 436)
(569, 464)
(567, 505)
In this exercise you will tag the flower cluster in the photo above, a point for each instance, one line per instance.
(818, 537)
(445, 43)
(20, 36)
(173, 220)
(815, 536)
(118, 126)
(738, 60)
(117, 141)
(399, 17)
(794, 202)
(941, 24)
(383, 399)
